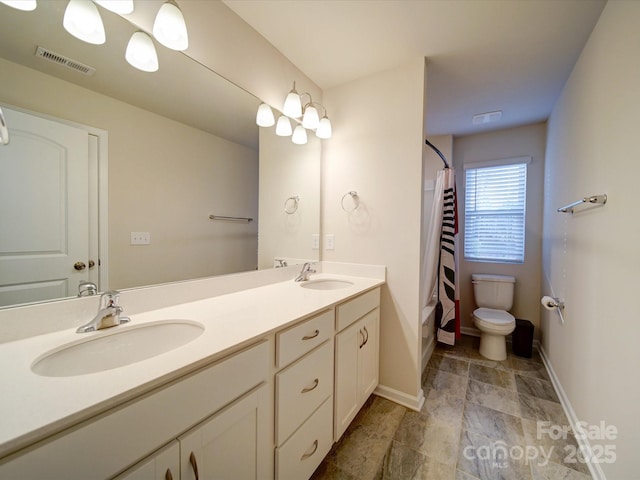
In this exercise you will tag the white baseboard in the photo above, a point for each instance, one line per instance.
(409, 401)
(583, 443)
(471, 331)
(427, 352)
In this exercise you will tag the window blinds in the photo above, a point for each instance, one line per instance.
(495, 203)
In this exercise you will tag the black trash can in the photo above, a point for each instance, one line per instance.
(522, 338)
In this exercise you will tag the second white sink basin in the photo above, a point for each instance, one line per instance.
(117, 348)
(326, 284)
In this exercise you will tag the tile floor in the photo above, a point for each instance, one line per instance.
(479, 421)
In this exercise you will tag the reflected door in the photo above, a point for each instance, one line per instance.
(44, 209)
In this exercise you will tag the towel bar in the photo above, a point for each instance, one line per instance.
(594, 200)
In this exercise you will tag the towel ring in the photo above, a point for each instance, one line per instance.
(291, 205)
(356, 201)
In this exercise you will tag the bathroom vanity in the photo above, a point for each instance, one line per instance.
(272, 380)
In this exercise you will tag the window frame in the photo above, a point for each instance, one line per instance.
(526, 160)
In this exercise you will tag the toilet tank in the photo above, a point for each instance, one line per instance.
(493, 291)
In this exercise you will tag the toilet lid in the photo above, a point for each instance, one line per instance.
(498, 317)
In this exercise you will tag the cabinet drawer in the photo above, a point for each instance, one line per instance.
(350, 311)
(303, 452)
(302, 338)
(301, 388)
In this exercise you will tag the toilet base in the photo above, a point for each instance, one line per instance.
(493, 347)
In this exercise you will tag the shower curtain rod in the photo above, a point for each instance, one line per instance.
(444, 160)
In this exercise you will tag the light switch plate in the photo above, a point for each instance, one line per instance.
(140, 238)
(315, 241)
(330, 241)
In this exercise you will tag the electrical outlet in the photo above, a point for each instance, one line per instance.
(315, 241)
(330, 241)
(140, 238)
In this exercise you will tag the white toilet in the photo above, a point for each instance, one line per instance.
(494, 296)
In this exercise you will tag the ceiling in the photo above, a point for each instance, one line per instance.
(483, 55)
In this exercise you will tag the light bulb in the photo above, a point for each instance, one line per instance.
(121, 7)
(299, 135)
(169, 27)
(26, 5)
(265, 118)
(141, 53)
(82, 20)
(324, 128)
(283, 127)
(292, 105)
(310, 119)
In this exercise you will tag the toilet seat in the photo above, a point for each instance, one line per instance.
(494, 320)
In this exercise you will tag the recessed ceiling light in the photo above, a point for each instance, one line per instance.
(482, 118)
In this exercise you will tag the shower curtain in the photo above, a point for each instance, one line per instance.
(439, 267)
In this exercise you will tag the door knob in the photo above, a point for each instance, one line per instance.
(92, 264)
(79, 266)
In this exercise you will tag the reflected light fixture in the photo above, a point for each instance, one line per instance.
(310, 118)
(264, 117)
(83, 21)
(141, 53)
(299, 135)
(292, 104)
(121, 7)
(283, 127)
(26, 5)
(169, 27)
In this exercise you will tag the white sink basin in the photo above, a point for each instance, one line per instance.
(326, 284)
(116, 348)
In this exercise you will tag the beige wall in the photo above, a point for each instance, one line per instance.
(376, 150)
(592, 258)
(515, 142)
(288, 170)
(152, 186)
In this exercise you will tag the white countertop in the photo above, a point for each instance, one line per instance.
(34, 406)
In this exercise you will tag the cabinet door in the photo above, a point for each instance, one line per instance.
(368, 356)
(162, 465)
(233, 443)
(346, 384)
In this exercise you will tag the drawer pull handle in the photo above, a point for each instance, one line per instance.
(194, 465)
(363, 342)
(314, 448)
(309, 337)
(308, 389)
(367, 339)
(168, 475)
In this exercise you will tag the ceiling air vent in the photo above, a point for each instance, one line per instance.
(482, 118)
(64, 61)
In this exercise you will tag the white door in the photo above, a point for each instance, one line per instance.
(44, 211)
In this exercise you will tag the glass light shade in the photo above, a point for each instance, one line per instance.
(265, 117)
(310, 119)
(299, 135)
(26, 5)
(283, 127)
(324, 128)
(292, 105)
(169, 27)
(141, 53)
(83, 21)
(121, 7)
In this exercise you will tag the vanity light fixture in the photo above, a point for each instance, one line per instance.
(264, 117)
(26, 5)
(310, 118)
(283, 127)
(122, 7)
(299, 135)
(324, 130)
(169, 27)
(292, 104)
(83, 21)
(141, 53)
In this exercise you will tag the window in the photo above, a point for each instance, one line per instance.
(494, 217)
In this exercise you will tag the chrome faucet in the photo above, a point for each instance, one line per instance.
(108, 314)
(87, 289)
(305, 272)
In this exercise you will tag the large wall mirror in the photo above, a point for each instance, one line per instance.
(181, 145)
